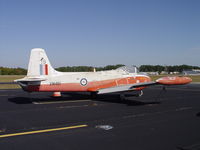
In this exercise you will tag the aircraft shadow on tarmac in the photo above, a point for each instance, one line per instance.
(107, 98)
(198, 114)
(130, 100)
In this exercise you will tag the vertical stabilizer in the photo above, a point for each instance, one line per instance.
(39, 64)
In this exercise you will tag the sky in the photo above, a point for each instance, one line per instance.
(101, 32)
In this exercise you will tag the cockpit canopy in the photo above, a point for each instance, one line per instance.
(128, 69)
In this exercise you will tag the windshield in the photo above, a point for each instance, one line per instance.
(129, 69)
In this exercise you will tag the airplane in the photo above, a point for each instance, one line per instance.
(42, 77)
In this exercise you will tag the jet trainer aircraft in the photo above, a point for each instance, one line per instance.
(41, 77)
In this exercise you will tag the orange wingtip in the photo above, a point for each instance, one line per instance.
(174, 80)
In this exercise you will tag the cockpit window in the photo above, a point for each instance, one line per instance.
(129, 69)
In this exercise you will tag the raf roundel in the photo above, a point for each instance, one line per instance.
(83, 82)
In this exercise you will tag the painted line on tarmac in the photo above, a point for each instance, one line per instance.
(184, 89)
(42, 131)
(59, 102)
(6, 90)
(6, 95)
(178, 89)
(159, 112)
(89, 105)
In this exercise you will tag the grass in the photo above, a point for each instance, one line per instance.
(9, 86)
(195, 78)
(10, 78)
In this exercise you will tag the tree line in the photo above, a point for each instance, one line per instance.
(87, 68)
(12, 71)
(142, 68)
(159, 68)
(22, 71)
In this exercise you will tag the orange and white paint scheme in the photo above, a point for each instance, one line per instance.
(42, 77)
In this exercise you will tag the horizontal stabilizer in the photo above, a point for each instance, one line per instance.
(30, 79)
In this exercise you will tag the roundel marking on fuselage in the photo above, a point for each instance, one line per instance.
(83, 81)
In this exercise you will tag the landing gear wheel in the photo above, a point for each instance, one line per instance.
(122, 97)
(140, 94)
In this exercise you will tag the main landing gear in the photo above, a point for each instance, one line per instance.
(123, 97)
(161, 94)
(93, 95)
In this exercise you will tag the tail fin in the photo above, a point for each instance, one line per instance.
(39, 64)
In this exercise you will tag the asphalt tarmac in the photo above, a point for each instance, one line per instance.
(159, 120)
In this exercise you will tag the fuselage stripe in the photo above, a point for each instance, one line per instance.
(41, 69)
(46, 69)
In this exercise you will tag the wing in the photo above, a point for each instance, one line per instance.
(124, 88)
(162, 81)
